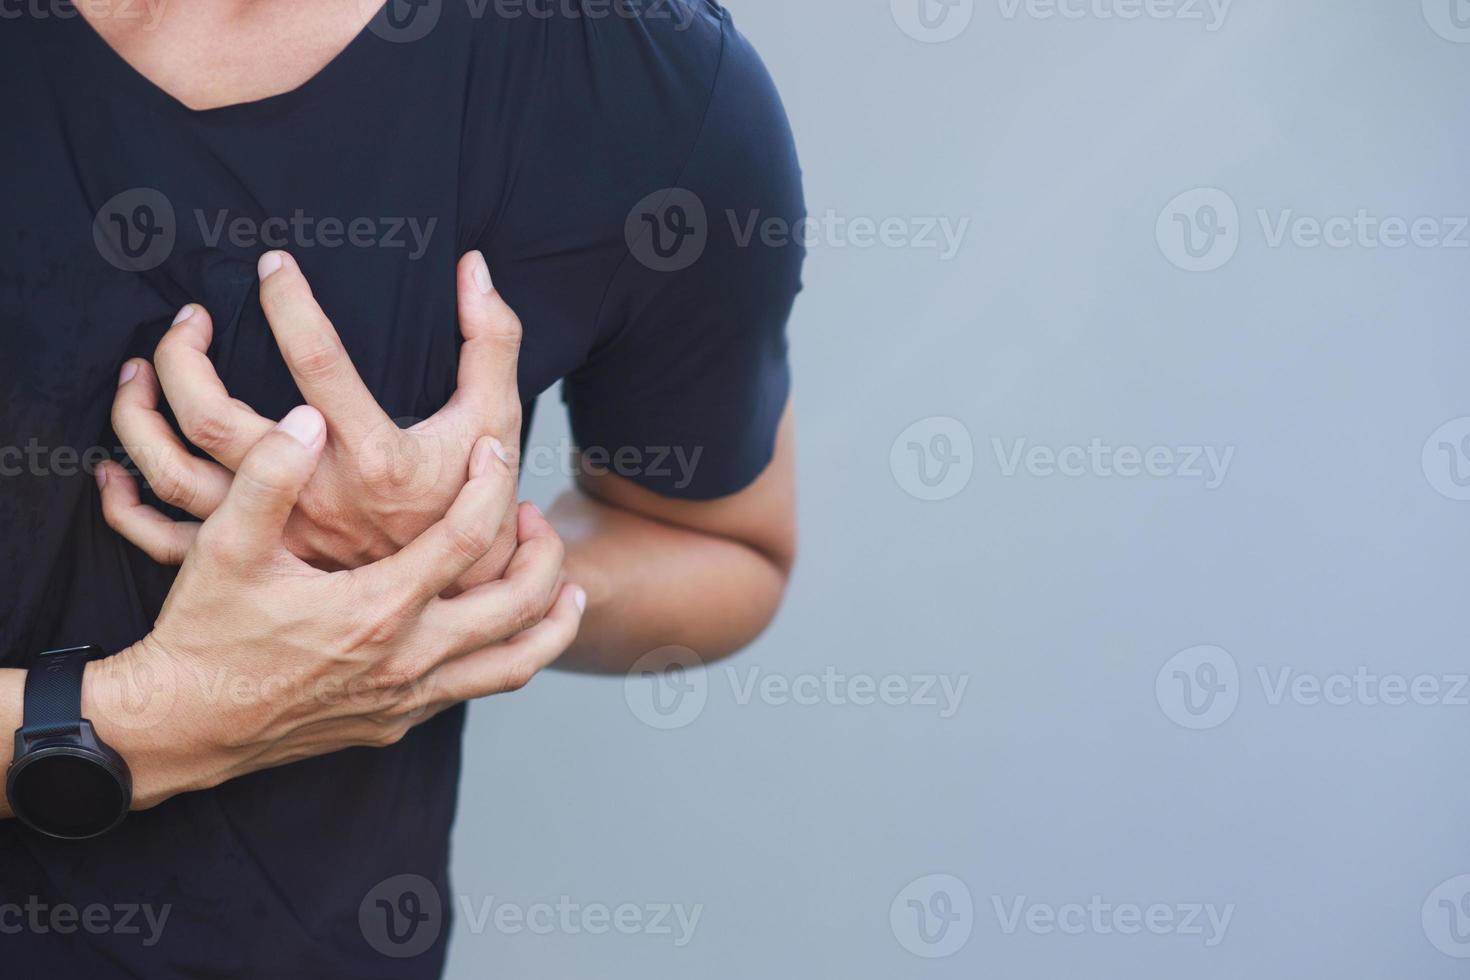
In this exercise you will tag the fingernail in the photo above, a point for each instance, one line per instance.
(269, 262)
(535, 509)
(128, 372)
(481, 273)
(101, 474)
(500, 451)
(479, 458)
(580, 598)
(184, 313)
(304, 424)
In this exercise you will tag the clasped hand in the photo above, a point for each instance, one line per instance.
(335, 550)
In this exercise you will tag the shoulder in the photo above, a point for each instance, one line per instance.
(601, 103)
(630, 80)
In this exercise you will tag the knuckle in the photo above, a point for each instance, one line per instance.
(519, 672)
(390, 733)
(175, 484)
(505, 326)
(209, 429)
(317, 360)
(167, 351)
(393, 678)
(556, 551)
(468, 542)
(412, 702)
(508, 418)
(221, 542)
(268, 472)
(121, 410)
(526, 610)
(386, 625)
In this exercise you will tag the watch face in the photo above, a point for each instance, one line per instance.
(67, 792)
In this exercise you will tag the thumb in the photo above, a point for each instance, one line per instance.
(251, 523)
(491, 349)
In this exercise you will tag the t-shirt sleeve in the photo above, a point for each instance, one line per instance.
(688, 375)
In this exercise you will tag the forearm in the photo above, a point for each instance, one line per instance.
(652, 584)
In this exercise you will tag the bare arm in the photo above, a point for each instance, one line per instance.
(707, 575)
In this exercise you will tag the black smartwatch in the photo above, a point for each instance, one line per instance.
(64, 781)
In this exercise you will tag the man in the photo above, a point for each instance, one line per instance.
(247, 213)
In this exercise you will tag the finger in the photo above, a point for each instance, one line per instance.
(165, 541)
(313, 351)
(177, 476)
(251, 523)
(222, 426)
(433, 561)
(510, 665)
(487, 389)
(511, 604)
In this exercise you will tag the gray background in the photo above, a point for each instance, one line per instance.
(1060, 599)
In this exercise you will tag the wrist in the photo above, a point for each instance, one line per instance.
(136, 703)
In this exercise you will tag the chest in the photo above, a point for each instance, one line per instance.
(123, 208)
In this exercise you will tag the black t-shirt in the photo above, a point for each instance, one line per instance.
(617, 171)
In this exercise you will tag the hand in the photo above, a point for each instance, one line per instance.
(268, 659)
(378, 485)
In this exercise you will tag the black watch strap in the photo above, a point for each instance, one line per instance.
(53, 696)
